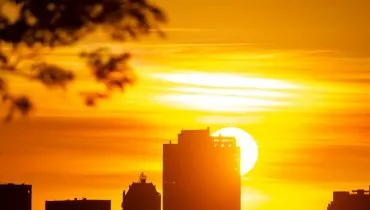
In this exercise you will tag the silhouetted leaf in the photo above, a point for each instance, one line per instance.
(112, 70)
(92, 97)
(23, 105)
(52, 76)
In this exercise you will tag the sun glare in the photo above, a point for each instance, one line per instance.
(225, 92)
(248, 147)
(225, 80)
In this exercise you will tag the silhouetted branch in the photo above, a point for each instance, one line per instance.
(20, 104)
(50, 23)
(64, 22)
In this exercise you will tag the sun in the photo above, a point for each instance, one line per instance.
(248, 147)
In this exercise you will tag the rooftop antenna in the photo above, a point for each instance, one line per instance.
(361, 192)
(142, 178)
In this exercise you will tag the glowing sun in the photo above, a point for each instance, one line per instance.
(248, 147)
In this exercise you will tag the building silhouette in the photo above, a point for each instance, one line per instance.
(141, 196)
(201, 172)
(75, 204)
(355, 200)
(15, 197)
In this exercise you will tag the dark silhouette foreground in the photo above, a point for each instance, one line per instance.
(76, 204)
(39, 26)
(141, 196)
(201, 172)
(17, 197)
(355, 200)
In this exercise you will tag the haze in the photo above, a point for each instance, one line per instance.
(294, 74)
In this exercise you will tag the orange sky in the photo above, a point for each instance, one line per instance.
(295, 75)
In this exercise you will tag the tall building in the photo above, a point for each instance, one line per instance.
(201, 172)
(15, 197)
(75, 204)
(141, 196)
(355, 200)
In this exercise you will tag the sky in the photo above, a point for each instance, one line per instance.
(293, 74)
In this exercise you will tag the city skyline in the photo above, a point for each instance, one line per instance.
(143, 196)
(191, 139)
(256, 187)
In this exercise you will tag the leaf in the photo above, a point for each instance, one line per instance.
(23, 105)
(158, 14)
(92, 97)
(52, 75)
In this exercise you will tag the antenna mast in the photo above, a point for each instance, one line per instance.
(142, 178)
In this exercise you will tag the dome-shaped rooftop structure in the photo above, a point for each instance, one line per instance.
(141, 196)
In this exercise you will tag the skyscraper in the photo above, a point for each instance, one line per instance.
(201, 172)
(141, 196)
(355, 200)
(15, 197)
